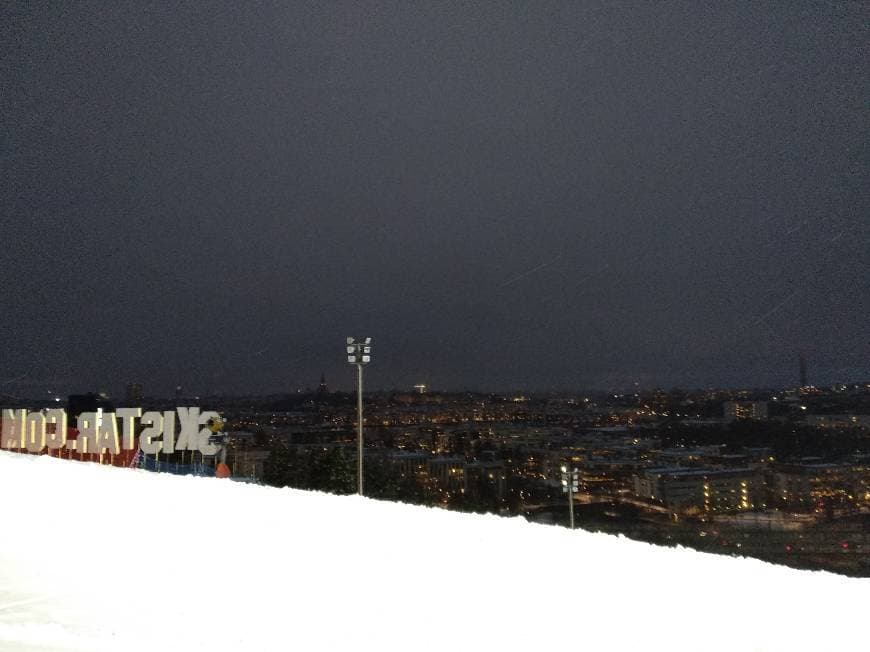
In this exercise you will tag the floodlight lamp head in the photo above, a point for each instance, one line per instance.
(350, 340)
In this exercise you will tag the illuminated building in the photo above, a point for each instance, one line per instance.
(806, 486)
(742, 410)
(440, 442)
(408, 464)
(708, 490)
(483, 477)
(448, 471)
(838, 421)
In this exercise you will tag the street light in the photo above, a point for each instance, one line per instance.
(570, 484)
(360, 354)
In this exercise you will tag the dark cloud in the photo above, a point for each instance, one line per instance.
(507, 195)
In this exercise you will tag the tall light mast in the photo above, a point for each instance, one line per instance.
(359, 354)
(570, 485)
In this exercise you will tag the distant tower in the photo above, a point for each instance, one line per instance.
(323, 388)
(802, 361)
(133, 395)
(177, 394)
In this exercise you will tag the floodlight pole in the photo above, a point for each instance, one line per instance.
(569, 484)
(359, 416)
(570, 506)
(359, 354)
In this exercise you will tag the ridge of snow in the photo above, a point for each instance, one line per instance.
(99, 558)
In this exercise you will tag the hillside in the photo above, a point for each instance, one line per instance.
(97, 558)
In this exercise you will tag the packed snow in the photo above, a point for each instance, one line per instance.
(98, 558)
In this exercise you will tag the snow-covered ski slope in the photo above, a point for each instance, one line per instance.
(98, 558)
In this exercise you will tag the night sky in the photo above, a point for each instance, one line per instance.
(530, 195)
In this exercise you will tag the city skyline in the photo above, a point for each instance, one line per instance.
(779, 475)
(344, 384)
(802, 374)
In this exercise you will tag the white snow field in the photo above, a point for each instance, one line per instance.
(98, 558)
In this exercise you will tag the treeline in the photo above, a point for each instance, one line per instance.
(334, 470)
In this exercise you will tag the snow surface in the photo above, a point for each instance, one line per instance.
(99, 558)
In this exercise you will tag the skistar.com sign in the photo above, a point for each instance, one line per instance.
(182, 429)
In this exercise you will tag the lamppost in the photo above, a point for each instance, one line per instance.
(359, 353)
(570, 484)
